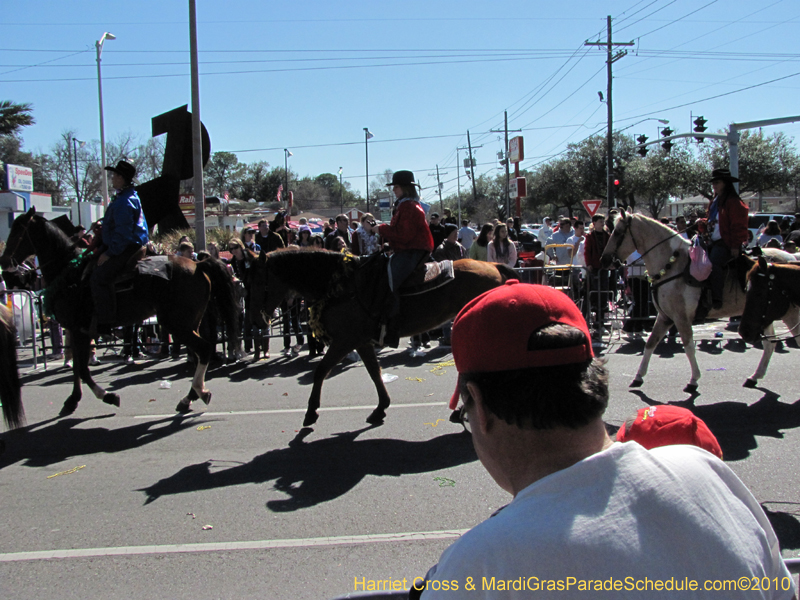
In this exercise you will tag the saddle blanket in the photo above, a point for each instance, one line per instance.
(428, 277)
(151, 266)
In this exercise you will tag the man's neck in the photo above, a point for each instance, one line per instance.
(546, 452)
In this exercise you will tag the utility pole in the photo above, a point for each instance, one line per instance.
(472, 169)
(439, 188)
(458, 182)
(505, 162)
(197, 136)
(612, 58)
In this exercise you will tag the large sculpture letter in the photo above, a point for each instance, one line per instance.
(160, 195)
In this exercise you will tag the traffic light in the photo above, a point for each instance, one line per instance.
(699, 127)
(666, 132)
(642, 150)
(614, 179)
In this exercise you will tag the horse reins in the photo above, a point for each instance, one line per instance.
(627, 231)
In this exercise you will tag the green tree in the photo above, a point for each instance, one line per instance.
(765, 161)
(223, 173)
(653, 179)
(14, 117)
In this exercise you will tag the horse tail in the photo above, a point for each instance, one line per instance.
(506, 272)
(223, 293)
(10, 387)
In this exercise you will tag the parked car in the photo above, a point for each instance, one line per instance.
(758, 222)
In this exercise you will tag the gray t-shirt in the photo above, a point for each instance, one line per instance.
(467, 235)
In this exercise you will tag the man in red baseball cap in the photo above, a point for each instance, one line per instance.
(588, 515)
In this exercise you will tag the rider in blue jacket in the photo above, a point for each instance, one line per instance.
(124, 234)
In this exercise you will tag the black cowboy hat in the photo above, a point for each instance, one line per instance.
(722, 175)
(125, 169)
(402, 178)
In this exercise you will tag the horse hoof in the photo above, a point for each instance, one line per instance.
(377, 417)
(311, 418)
(636, 383)
(690, 388)
(206, 397)
(112, 399)
(183, 407)
(750, 383)
(69, 407)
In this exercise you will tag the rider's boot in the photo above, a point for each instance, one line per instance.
(391, 335)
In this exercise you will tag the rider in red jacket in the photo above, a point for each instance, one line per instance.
(727, 224)
(410, 238)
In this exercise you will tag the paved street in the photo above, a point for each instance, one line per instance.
(239, 502)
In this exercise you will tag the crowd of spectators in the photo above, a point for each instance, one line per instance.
(567, 256)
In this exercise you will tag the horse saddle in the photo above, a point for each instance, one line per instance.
(427, 277)
(151, 266)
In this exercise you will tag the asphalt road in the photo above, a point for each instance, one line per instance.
(237, 501)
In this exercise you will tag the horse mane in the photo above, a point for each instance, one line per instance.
(664, 229)
(62, 244)
(306, 270)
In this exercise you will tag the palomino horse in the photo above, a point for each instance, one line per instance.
(772, 292)
(664, 251)
(179, 301)
(343, 309)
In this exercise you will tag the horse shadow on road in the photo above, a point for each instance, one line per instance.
(322, 470)
(56, 440)
(736, 424)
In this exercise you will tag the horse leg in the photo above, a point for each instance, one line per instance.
(684, 326)
(80, 361)
(203, 350)
(370, 359)
(336, 352)
(659, 330)
(769, 349)
(98, 391)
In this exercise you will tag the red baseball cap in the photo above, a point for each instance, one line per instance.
(665, 425)
(491, 333)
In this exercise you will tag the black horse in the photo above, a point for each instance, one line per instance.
(179, 301)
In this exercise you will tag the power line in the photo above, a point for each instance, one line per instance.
(749, 87)
(651, 14)
(254, 71)
(678, 19)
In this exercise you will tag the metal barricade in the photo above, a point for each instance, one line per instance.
(26, 307)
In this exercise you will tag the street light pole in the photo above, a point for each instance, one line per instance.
(341, 192)
(367, 135)
(98, 45)
(286, 155)
(75, 143)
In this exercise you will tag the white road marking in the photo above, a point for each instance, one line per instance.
(228, 546)
(278, 411)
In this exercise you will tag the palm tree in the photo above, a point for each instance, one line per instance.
(14, 117)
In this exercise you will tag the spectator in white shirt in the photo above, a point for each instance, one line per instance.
(466, 235)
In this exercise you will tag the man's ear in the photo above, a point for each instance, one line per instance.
(483, 418)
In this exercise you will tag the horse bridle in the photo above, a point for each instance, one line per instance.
(628, 230)
(19, 239)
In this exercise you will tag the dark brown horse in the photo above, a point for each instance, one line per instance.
(343, 308)
(772, 290)
(179, 301)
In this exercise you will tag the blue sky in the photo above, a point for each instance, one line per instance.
(310, 75)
